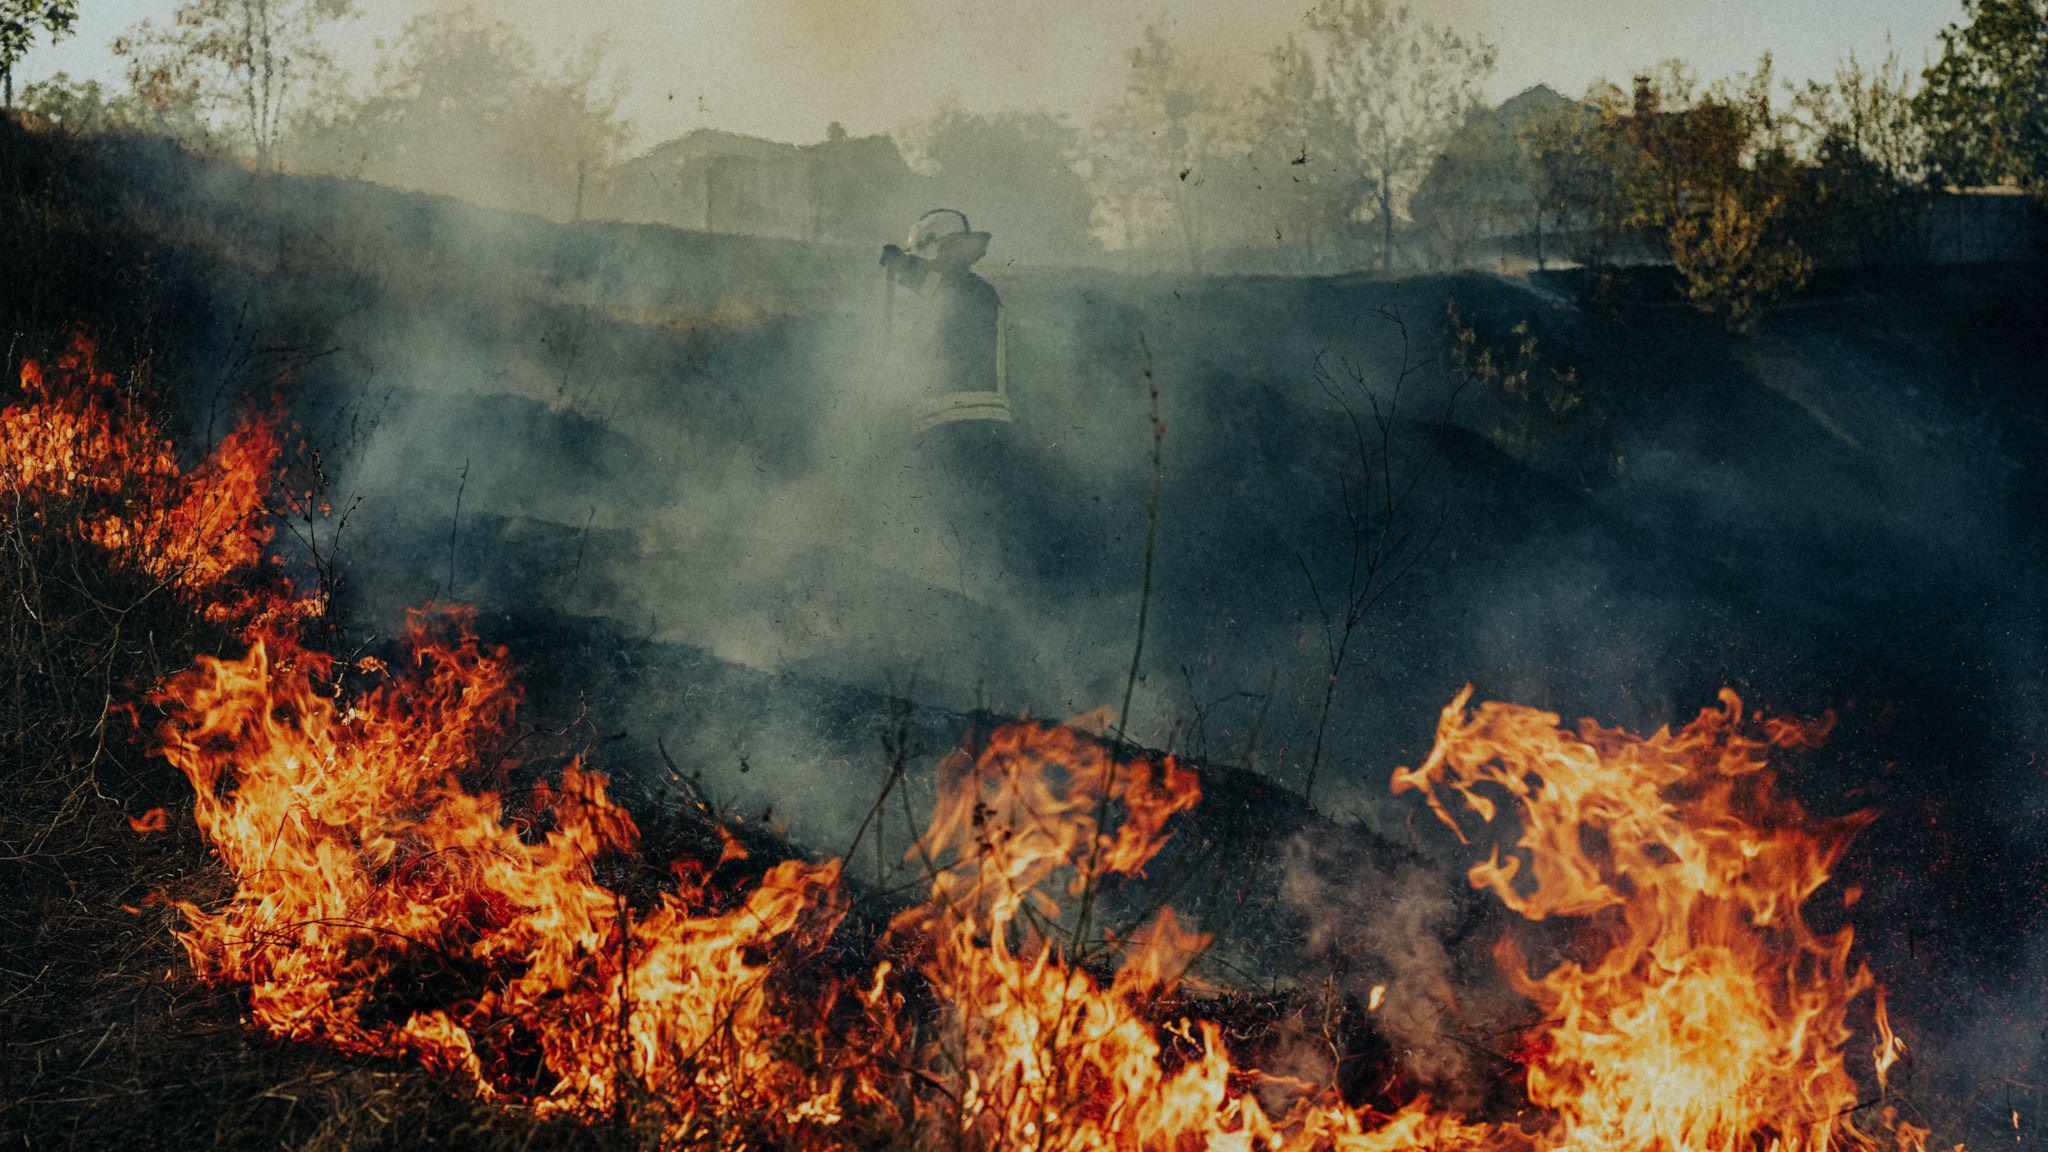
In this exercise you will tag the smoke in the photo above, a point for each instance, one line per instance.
(700, 444)
(1375, 921)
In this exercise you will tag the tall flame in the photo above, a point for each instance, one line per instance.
(1705, 1013)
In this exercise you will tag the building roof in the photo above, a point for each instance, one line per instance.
(702, 142)
(717, 142)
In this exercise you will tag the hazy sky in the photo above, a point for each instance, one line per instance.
(784, 68)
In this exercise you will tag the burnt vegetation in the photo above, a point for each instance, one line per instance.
(1765, 430)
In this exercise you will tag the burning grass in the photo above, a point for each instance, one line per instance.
(1701, 1012)
(383, 889)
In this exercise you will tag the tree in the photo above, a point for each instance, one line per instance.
(1381, 483)
(464, 107)
(20, 21)
(1398, 87)
(1469, 192)
(248, 61)
(1711, 178)
(1865, 117)
(88, 106)
(1015, 172)
(1577, 164)
(1867, 152)
(1482, 187)
(1985, 102)
(1302, 154)
(1145, 147)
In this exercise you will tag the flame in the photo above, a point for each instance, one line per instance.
(1889, 1047)
(1705, 1014)
(1034, 1049)
(391, 898)
(383, 906)
(82, 453)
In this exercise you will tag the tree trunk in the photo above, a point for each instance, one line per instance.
(1386, 222)
(7, 82)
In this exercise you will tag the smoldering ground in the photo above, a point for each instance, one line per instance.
(691, 449)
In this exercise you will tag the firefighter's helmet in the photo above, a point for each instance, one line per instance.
(944, 237)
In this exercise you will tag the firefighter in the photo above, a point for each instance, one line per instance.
(959, 349)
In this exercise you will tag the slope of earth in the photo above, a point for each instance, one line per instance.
(702, 443)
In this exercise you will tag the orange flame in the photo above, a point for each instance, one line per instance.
(1707, 1014)
(387, 902)
(364, 861)
(1704, 1016)
(1033, 1049)
(85, 454)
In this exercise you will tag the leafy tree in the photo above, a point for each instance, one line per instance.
(1868, 151)
(19, 25)
(1146, 147)
(1705, 178)
(1577, 169)
(1470, 190)
(1711, 177)
(1864, 117)
(20, 21)
(1301, 155)
(1015, 170)
(1985, 102)
(1397, 87)
(88, 106)
(464, 107)
(250, 62)
(1483, 185)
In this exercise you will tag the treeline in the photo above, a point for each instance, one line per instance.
(1363, 142)
(457, 104)
(1367, 146)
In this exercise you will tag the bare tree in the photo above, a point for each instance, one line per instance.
(1387, 532)
(1398, 87)
(248, 61)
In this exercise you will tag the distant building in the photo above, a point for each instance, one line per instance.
(843, 189)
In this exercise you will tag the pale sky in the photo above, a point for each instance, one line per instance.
(785, 68)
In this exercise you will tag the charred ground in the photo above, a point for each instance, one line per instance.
(1840, 511)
